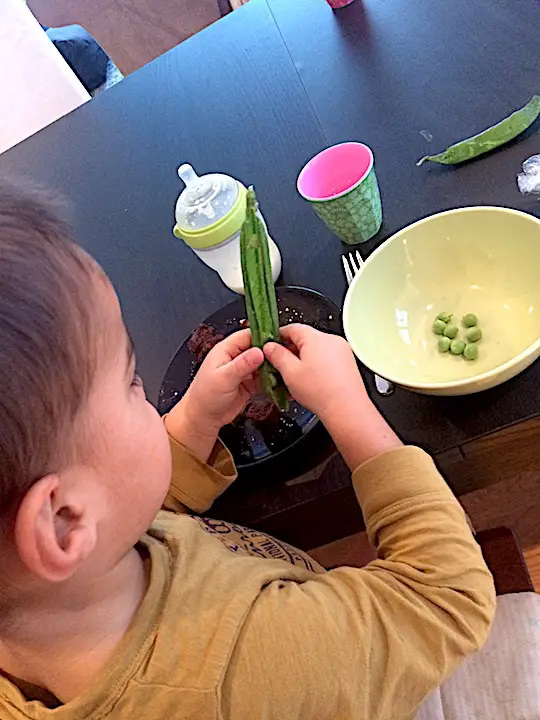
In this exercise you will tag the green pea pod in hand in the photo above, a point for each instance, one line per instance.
(492, 138)
(261, 303)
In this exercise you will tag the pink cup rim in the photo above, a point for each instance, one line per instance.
(325, 152)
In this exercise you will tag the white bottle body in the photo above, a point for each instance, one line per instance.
(225, 260)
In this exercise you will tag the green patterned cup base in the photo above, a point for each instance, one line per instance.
(356, 216)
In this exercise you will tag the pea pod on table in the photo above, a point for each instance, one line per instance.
(489, 139)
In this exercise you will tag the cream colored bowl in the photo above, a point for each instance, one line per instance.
(481, 260)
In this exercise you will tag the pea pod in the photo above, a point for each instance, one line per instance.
(261, 303)
(489, 139)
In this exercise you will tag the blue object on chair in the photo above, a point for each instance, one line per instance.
(83, 54)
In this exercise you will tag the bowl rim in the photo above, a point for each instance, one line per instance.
(477, 379)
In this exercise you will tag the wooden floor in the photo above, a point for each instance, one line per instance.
(133, 32)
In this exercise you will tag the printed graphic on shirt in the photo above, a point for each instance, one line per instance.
(241, 539)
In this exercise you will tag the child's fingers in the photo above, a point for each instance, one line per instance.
(235, 344)
(252, 384)
(297, 334)
(228, 348)
(243, 366)
(282, 359)
(290, 346)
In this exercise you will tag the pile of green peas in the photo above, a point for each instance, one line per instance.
(449, 340)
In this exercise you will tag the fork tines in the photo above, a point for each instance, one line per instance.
(352, 264)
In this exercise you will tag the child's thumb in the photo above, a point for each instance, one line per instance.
(245, 364)
(282, 359)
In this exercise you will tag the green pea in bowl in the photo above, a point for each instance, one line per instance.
(481, 260)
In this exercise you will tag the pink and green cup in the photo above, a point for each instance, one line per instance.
(336, 4)
(341, 185)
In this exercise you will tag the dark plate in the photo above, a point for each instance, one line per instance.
(248, 444)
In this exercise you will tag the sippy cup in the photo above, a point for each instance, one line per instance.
(209, 216)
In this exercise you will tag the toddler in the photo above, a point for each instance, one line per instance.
(113, 608)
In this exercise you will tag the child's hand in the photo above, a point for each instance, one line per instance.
(319, 370)
(226, 380)
(219, 393)
(321, 374)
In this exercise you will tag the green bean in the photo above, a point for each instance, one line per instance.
(457, 347)
(439, 327)
(469, 320)
(443, 343)
(450, 331)
(260, 294)
(473, 334)
(489, 139)
(470, 351)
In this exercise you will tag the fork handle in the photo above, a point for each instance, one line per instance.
(384, 387)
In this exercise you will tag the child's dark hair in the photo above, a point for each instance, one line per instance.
(46, 358)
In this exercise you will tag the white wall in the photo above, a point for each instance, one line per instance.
(36, 85)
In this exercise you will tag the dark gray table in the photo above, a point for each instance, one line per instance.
(256, 95)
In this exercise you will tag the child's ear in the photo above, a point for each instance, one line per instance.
(53, 534)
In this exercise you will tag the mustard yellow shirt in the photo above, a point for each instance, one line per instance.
(238, 626)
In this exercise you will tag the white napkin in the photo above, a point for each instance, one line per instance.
(529, 180)
(502, 681)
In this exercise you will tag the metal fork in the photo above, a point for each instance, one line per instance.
(352, 264)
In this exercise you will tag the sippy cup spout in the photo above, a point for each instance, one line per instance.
(187, 174)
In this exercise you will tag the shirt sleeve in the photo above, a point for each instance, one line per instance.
(370, 643)
(196, 484)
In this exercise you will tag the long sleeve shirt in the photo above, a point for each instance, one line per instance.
(236, 625)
